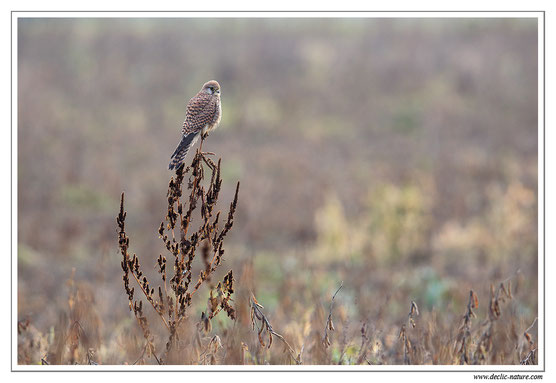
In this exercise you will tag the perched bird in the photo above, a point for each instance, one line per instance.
(202, 115)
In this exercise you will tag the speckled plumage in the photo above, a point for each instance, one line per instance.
(203, 114)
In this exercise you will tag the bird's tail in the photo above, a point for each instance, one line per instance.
(186, 142)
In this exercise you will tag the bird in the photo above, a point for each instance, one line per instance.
(203, 114)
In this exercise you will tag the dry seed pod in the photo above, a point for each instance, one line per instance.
(475, 299)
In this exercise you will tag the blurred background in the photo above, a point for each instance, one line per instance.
(396, 155)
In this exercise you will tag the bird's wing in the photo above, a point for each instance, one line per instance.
(200, 112)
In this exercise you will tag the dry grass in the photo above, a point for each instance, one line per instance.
(432, 337)
(169, 329)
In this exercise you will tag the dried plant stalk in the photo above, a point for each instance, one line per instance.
(265, 328)
(172, 299)
(329, 324)
(464, 334)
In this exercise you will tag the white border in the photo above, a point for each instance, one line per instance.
(279, 14)
(540, 196)
(397, 368)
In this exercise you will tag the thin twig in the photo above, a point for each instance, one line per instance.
(329, 324)
(257, 313)
(150, 301)
(532, 324)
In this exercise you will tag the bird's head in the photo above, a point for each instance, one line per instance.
(211, 87)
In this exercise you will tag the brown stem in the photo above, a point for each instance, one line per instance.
(150, 301)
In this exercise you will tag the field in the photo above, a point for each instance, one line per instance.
(387, 204)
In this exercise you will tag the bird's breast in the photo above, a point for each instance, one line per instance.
(219, 113)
